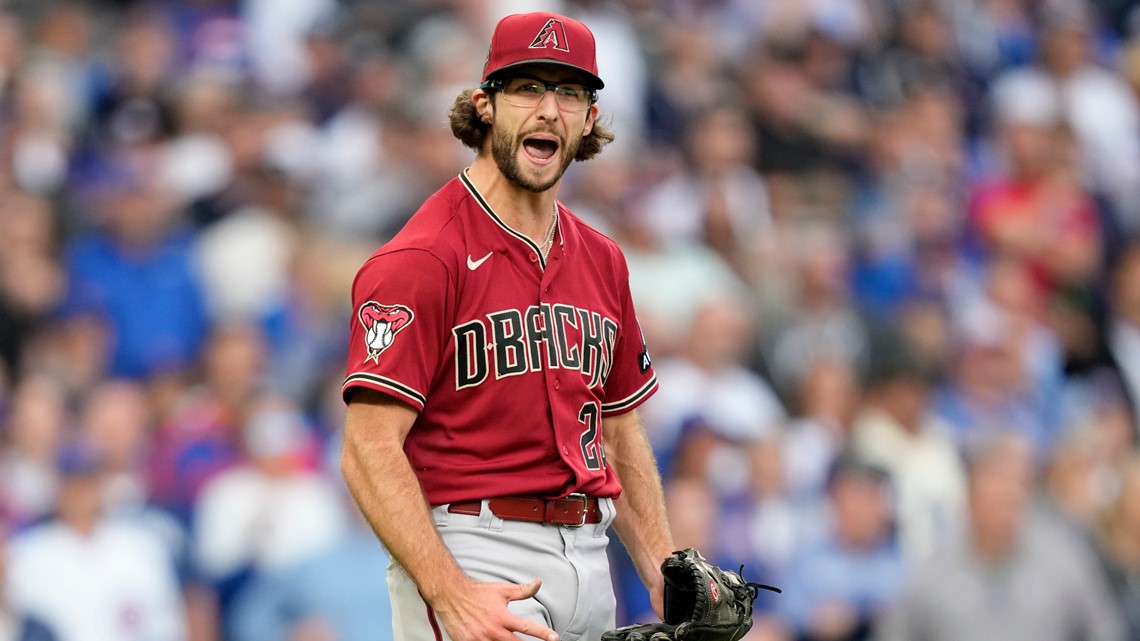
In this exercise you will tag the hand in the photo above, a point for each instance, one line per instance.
(477, 611)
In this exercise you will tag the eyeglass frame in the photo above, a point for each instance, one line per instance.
(497, 84)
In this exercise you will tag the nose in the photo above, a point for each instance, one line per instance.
(547, 106)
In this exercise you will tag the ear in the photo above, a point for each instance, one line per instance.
(591, 117)
(483, 105)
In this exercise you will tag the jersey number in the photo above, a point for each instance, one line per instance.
(592, 450)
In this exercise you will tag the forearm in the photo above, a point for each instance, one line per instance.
(385, 488)
(641, 521)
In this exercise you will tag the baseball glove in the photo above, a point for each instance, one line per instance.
(702, 603)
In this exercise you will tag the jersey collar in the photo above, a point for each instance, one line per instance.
(474, 191)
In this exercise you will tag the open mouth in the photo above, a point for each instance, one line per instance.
(541, 150)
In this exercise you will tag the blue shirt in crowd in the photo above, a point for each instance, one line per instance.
(150, 299)
(866, 580)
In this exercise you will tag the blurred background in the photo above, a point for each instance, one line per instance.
(884, 253)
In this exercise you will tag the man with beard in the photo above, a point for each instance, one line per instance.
(494, 365)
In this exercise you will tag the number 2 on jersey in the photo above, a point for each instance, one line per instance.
(592, 450)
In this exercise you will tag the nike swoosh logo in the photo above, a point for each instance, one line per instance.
(474, 264)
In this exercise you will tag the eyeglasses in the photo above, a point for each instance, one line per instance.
(528, 92)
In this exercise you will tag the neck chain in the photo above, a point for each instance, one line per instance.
(548, 244)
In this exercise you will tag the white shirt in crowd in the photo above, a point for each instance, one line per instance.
(733, 403)
(250, 519)
(118, 584)
(927, 475)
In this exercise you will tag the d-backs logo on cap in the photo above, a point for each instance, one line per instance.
(551, 33)
(381, 323)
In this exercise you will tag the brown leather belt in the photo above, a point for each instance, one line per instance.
(575, 510)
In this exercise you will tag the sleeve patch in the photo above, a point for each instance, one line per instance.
(381, 324)
(643, 360)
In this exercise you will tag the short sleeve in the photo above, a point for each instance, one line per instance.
(400, 303)
(631, 379)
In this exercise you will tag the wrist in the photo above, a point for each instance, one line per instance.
(655, 559)
(438, 588)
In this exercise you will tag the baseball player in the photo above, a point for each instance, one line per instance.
(494, 366)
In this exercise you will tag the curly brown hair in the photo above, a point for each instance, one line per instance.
(471, 130)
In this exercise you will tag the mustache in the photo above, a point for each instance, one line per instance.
(541, 130)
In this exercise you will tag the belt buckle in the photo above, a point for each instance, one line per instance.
(576, 496)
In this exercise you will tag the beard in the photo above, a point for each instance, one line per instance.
(505, 151)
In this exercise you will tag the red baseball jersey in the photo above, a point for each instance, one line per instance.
(511, 360)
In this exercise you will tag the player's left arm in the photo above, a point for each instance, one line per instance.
(641, 522)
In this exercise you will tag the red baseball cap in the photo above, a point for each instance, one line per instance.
(525, 38)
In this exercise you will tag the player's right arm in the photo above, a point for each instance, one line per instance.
(403, 302)
(385, 488)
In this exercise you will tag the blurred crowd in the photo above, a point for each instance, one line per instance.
(884, 253)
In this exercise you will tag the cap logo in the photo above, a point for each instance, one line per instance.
(552, 33)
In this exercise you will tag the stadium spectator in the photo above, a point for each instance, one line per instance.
(921, 52)
(15, 625)
(201, 435)
(1118, 544)
(818, 319)
(136, 275)
(340, 590)
(989, 391)
(841, 580)
(895, 431)
(269, 514)
(715, 196)
(115, 416)
(116, 419)
(89, 577)
(1080, 479)
(774, 518)
(31, 280)
(1122, 332)
(821, 426)
(1007, 577)
(187, 187)
(712, 406)
(670, 284)
(1039, 212)
(36, 424)
(1095, 101)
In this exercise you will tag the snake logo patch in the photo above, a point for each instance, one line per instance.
(381, 324)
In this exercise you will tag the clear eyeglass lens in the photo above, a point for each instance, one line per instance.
(528, 93)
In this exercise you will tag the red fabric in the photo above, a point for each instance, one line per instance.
(511, 366)
(524, 38)
(432, 620)
(1071, 215)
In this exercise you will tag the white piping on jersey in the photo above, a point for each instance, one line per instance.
(381, 381)
(499, 221)
(632, 399)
